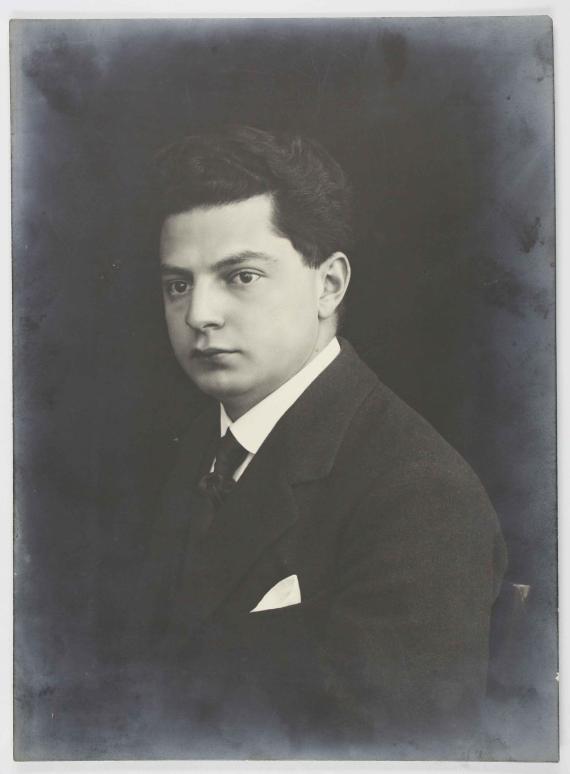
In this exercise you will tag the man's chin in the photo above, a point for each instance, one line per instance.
(218, 386)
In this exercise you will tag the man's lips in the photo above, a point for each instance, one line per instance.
(211, 352)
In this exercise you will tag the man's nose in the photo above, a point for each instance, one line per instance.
(204, 307)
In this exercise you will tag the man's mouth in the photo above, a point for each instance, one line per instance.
(211, 352)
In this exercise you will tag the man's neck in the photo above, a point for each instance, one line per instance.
(237, 408)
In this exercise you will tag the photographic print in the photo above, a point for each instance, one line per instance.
(284, 389)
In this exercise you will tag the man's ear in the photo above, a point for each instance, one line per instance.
(334, 278)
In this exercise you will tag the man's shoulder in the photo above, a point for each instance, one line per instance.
(391, 443)
(400, 440)
(397, 475)
(379, 417)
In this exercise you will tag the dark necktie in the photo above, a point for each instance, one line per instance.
(219, 482)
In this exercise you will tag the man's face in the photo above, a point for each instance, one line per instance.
(241, 305)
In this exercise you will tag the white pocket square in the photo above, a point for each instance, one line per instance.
(283, 594)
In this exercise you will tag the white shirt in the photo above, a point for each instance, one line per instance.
(253, 427)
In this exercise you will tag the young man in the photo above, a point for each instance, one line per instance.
(323, 566)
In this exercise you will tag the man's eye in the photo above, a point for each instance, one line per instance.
(177, 287)
(244, 278)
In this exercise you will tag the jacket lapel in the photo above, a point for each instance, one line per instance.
(302, 447)
(318, 421)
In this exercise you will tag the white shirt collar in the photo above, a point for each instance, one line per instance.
(253, 427)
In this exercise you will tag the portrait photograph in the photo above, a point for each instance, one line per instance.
(284, 374)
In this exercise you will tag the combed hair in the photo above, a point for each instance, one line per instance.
(310, 191)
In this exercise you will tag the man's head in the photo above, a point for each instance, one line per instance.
(254, 229)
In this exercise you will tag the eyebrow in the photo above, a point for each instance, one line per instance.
(224, 263)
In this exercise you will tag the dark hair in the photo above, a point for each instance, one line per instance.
(310, 191)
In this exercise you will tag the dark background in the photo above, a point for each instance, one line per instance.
(445, 127)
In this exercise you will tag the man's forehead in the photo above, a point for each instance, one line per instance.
(222, 231)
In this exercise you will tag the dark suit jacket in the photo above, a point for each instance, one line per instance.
(399, 559)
